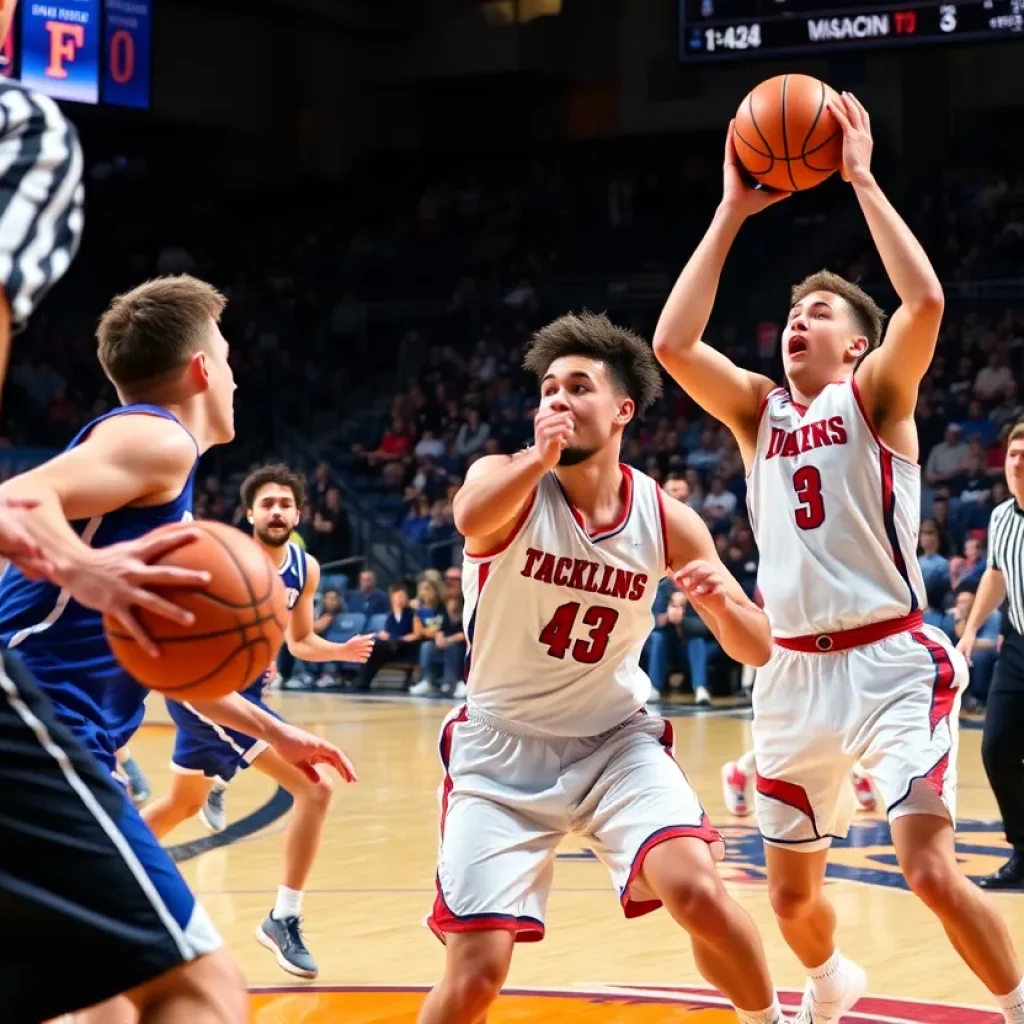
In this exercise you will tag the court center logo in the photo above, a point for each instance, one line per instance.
(866, 855)
(598, 1004)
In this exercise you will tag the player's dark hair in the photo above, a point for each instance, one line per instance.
(154, 329)
(629, 359)
(867, 314)
(278, 474)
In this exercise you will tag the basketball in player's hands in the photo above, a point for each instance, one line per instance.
(785, 136)
(239, 624)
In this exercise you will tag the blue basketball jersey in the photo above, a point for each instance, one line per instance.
(293, 576)
(62, 642)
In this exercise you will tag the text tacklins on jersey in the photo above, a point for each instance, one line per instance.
(582, 574)
(558, 617)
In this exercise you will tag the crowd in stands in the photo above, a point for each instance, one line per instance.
(424, 280)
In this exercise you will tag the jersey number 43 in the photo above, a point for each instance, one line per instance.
(557, 634)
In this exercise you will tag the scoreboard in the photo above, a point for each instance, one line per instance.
(723, 29)
(88, 51)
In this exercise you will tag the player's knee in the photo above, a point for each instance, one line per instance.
(225, 989)
(790, 902)
(476, 982)
(932, 880)
(697, 902)
(477, 965)
(320, 794)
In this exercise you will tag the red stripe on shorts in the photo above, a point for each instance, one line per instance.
(944, 690)
(442, 918)
(704, 831)
(788, 793)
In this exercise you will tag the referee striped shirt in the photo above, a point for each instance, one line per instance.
(41, 197)
(1006, 553)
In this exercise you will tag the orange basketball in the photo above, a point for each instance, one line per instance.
(240, 619)
(785, 136)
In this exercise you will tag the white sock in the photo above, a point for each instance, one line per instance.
(746, 763)
(1013, 1004)
(828, 982)
(289, 903)
(773, 1015)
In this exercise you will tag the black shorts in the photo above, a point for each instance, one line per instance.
(1009, 672)
(90, 904)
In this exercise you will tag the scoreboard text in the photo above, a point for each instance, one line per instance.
(87, 51)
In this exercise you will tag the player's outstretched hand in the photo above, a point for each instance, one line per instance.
(306, 751)
(737, 192)
(858, 143)
(116, 579)
(359, 648)
(552, 429)
(704, 586)
(17, 544)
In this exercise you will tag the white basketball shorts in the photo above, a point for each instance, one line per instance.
(892, 704)
(508, 799)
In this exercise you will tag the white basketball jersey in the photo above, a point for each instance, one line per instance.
(558, 617)
(835, 514)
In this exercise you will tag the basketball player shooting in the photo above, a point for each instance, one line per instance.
(206, 754)
(130, 922)
(834, 499)
(564, 551)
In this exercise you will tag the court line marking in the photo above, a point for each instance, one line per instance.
(790, 1000)
(669, 993)
(264, 816)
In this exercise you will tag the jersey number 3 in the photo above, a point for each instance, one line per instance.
(807, 484)
(557, 634)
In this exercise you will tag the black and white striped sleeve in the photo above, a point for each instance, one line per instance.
(41, 197)
(994, 536)
(1006, 553)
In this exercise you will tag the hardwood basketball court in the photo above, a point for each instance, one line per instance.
(374, 883)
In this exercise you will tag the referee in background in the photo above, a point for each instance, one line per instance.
(1003, 741)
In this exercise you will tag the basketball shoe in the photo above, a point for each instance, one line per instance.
(827, 998)
(734, 790)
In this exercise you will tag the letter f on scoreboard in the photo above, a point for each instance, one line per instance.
(65, 42)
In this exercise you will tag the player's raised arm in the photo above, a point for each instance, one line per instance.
(889, 377)
(303, 641)
(738, 624)
(498, 487)
(718, 385)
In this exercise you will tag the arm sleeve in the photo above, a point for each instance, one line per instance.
(41, 197)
